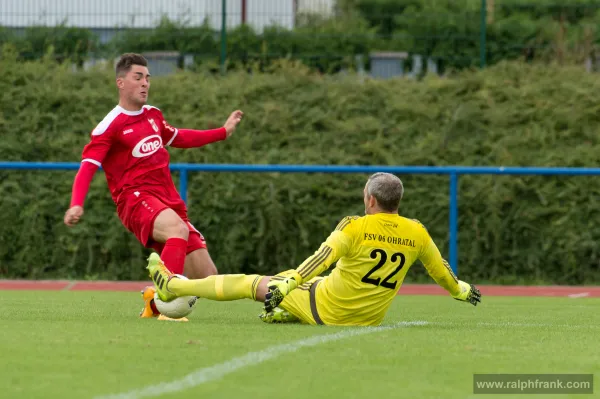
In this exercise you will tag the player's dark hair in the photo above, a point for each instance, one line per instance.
(127, 60)
(387, 190)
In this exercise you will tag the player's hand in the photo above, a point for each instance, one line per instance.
(279, 286)
(234, 119)
(73, 215)
(468, 293)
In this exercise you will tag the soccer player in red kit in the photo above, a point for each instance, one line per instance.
(130, 145)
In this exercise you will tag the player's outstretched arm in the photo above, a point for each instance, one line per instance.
(92, 156)
(188, 138)
(440, 271)
(81, 186)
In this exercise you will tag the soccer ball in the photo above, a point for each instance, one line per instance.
(178, 307)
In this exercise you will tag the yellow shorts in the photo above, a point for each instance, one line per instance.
(302, 302)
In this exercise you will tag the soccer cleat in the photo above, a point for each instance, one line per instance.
(149, 309)
(162, 317)
(277, 315)
(160, 276)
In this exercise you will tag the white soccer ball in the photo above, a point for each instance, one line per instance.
(178, 307)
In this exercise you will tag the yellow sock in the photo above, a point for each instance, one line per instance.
(223, 287)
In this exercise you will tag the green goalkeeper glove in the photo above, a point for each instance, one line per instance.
(279, 286)
(468, 293)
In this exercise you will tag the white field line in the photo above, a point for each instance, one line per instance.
(208, 374)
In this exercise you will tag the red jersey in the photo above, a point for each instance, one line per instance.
(129, 144)
(130, 147)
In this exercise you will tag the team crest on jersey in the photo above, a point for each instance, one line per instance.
(154, 126)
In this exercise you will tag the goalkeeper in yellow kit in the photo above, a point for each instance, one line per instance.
(373, 254)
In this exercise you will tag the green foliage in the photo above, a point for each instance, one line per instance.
(512, 228)
(168, 36)
(450, 31)
(324, 44)
(62, 41)
(379, 13)
(445, 30)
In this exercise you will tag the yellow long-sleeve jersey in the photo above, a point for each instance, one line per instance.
(373, 254)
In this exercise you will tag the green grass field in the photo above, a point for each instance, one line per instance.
(91, 345)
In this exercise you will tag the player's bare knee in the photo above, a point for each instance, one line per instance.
(181, 230)
(169, 225)
(177, 229)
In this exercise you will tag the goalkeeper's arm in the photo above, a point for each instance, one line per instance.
(440, 271)
(329, 252)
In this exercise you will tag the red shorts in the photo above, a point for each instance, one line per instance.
(138, 210)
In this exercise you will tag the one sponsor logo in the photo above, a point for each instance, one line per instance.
(154, 126)
(147, 146)
(127, 131)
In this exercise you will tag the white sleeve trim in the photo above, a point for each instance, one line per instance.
(106, 122)
(98, 164)
(172, 138)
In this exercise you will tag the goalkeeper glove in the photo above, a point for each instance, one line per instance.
(468, 293)
(279, 286)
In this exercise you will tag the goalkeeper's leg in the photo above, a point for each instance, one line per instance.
(228, 287)
(224, 287)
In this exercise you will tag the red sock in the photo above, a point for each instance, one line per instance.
(173, 254)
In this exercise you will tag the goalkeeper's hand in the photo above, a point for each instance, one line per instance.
(279, 286)
(468, 293)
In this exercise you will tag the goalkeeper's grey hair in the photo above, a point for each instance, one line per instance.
(387, 190)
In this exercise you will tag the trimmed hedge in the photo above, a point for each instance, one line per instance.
(512, 228)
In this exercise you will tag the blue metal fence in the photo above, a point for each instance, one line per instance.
(452, 171)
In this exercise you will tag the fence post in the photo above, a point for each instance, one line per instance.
(183, 184)
(483, 34)
(223, 34)
(453, 227)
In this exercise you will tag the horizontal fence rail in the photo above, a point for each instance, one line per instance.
(452, 171)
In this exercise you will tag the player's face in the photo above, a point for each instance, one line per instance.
(134, 86)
